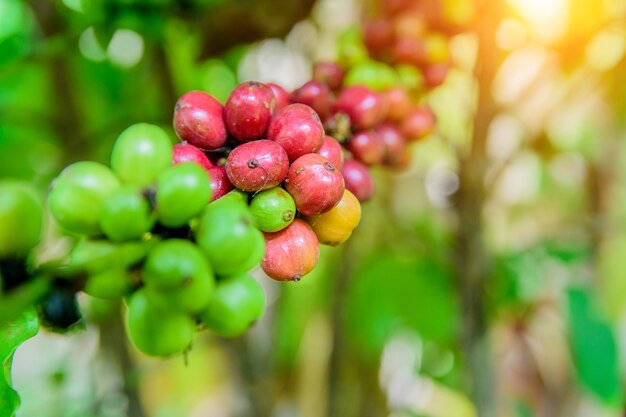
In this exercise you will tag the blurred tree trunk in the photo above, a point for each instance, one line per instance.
(113, 342)
(473, 263)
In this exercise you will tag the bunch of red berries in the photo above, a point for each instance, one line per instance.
(273, 152)
(414, 33)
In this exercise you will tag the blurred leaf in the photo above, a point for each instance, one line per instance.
(519, 277)
(15, 302)
(390, 292)
(298, 303)
(522, 410)
(217, 79)
(13, 334)
(594, 349)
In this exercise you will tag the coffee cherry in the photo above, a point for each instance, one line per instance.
(21, 218)
(409, 50)
(273, 209)
(184, 152)
(435, 74)
(350, 47)
(109, 284)
(419, 123)
(228, 238)
(78, 194)
(155, 331)
(257, 165)
(237, 196)
(336, 225)
(59, 311)
(198, 119)
(330, 73)
(181, 193)
(280, 94)
(239, 301)
(362, 105)
(298, 129)
(177, 275)
(371, 74)
(141, 153)
(220, 184)
(411, 78)
(398, 103)
(316, 95)
(358, 180)
(290, 253)
(95, 256)
(332, 151)
(377, 35)
(394, 143)
(248, 111)
(367, 147)
(315, 184)
(126, 215)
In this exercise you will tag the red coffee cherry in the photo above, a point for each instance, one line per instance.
(198, 119)
(248, 111)
(419, 122)
(363, 105)
(367, 147)
(315, 184)
(358, 180)
(331, 150)
(184, 152)
(291, 252)
(329, 73)
(298, 129)
(220, 184)
(280, 94)
(316, 95)
(257, 165)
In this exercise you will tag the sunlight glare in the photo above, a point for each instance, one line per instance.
(547, 18)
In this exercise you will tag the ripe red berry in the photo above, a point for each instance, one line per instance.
(298, 129)
(377, 35)
(411, 51)
(435, 74)
(315, 184)
(257, 165)
(358, 180)
(418, 123)
(198, 119)
(367, 147)
(280, 94)
(184, 152)
(332, 151)
(290, 253)
(329, 73)
(363, 106)
(398, 103)
(316, 95)
(248, 111)
(394, 143)
(220, 184)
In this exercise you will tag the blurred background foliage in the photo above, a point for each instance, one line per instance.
(496, 260)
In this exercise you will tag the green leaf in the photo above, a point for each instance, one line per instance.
(13, 334)
(594, 349)
(390, 292)
(14, 303)
(522, 410)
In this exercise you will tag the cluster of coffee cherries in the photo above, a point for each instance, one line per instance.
(276, 153)
(153, 232)
(407, 32)
(366, 127)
